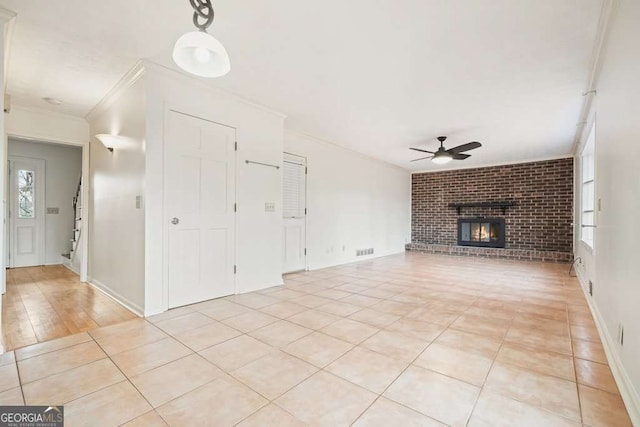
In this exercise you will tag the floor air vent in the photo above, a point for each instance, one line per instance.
(362, 252)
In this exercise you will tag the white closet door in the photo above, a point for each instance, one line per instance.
(199, 209)
(294, 206)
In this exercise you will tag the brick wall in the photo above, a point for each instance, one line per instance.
(541, 220)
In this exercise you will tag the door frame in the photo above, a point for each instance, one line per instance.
(306, 205)
(169, 108)
(41, 188)
(86, 207)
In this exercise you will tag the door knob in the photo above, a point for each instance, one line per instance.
(175, 221)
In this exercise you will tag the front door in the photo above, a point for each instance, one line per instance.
(294, 211)
(199, 209)
(26, 212)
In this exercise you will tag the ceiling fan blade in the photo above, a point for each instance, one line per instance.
(423, 158)
(458, 156)
(464, 147)
(423, 151)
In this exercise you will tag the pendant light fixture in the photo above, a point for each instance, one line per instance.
(197, 52)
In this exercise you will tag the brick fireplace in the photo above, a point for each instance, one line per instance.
(537, 220)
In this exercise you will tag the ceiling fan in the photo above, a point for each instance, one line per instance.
(443, 155)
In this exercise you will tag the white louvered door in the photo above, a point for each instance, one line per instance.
(294, 207)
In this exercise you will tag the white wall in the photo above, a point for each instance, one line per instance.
(353, 202)
(5, 17)
(63, 165)
(42, 125)
(116, 226)
(614, 267)
(260, 138)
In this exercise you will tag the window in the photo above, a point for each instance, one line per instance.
(26, 206)
(588, 217)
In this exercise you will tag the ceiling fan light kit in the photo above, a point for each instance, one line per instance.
(198, 52)
(441, 159)
(443, 156)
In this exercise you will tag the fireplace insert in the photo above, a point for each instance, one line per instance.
(481, 232)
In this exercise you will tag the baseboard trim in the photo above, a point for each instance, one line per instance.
(629, 394)
(313, 267)
(125, 302)
(71, 267)
(258, 288)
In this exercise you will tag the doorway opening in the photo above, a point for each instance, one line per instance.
(46, 239)
(44, 206)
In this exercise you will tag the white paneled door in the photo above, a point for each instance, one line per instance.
(199, 209)
(26, 212)
(294, 211)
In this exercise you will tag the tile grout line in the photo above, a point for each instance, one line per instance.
(536, 372)
(573, 362)
(128, 380)
(403, 371)
(493, 361)
(380, 328)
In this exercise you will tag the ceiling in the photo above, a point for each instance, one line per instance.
(376, 77)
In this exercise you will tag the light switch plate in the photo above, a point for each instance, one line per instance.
(269, 206)
(53, 211)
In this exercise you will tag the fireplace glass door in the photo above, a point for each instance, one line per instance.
(481, 232)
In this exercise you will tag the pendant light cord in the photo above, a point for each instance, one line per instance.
(202, 10)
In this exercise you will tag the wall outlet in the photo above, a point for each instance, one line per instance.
(590, 288)
(138, 202)
(270, 206)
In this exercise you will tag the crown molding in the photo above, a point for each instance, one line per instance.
(607, 14)
(44, 111)
(341, 147)
(128, 80)
(170, 72)
(6, 15)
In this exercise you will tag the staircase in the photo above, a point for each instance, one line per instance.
(71, 259)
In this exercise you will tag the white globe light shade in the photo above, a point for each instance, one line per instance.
(201, 54)
(442, 159)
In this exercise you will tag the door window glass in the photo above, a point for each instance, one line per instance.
(26, 199)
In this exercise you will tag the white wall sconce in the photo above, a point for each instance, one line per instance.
(110, 141)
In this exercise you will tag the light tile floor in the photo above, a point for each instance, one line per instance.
(411, 339)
